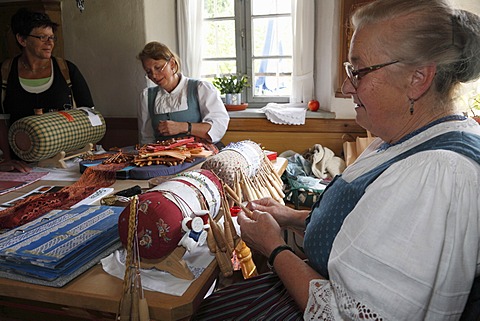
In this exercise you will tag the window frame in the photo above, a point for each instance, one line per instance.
(244, 52)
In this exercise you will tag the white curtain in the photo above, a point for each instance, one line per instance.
(303, 20)
(189, 26)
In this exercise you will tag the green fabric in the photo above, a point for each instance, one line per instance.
(34, 82)
(52, 133)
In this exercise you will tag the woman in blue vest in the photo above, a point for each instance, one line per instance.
(397, 235)
(177, 106)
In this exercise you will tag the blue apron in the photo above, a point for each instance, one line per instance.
(340, 197)
(192, 114)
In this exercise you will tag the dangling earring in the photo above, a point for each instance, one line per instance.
(412, 101)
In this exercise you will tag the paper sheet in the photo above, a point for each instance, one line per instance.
(161, 281)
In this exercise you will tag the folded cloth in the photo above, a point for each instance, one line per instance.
(324, 162)
(60, 242)
(285, 114)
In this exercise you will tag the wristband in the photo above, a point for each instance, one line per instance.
(189, 131)
(275, 252)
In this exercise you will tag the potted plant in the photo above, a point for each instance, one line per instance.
(231, 85)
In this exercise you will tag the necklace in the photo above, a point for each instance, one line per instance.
(385, 146)
(27, 66)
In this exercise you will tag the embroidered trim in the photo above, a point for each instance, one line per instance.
(322, 305)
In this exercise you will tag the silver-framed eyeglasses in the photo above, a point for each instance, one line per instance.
(44, 38)
(157, 69)
(355, 75)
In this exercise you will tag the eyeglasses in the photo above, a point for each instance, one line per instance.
(45, 38)
(157, 69)
(355, 75)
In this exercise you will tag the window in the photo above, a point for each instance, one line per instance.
(252, 37)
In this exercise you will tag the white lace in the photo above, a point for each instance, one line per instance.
(323, 306)
(318, 306)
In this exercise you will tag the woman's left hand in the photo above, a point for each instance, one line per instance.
(11, 165)
(170, 127)
(260, 231)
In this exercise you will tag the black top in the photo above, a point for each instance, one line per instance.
(19, 103)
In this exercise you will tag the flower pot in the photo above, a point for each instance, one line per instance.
(233, 99)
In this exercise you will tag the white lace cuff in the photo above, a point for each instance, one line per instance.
(330, 301)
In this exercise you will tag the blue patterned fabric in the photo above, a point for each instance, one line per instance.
(192, 114)
(60, 242)
(340, 197)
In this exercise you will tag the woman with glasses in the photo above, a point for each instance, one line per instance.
(177, 105)
(397, 235)
(34, 81)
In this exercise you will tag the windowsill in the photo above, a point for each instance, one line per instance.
(258, 113)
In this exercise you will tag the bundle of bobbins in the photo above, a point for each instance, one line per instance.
(181, 214)
(246, 170)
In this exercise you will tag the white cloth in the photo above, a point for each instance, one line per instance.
(285, 114)
(409, 250)
(190, 41)
(325, 163)
(160, 281)
(211, 106)
(303, 26)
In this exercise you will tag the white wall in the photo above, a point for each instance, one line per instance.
(104, 40)
(160, 22)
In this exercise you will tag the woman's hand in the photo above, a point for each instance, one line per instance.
(284, 215)
(11, 165)
(170, 127)
(260, 231)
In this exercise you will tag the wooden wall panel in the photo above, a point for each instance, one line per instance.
(279, 138)
(122, 132)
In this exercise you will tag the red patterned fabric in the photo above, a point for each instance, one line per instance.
(159, 225)
(37, 205)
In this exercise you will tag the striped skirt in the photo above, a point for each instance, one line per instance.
(259, 298)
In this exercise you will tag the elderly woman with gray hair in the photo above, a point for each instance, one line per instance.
(396, 236)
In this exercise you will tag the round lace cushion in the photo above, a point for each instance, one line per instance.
(38, 137)
(244, 156)
(226, 164)
(159, 226)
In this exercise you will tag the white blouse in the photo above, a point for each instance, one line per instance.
(410, 248)
(211, 106)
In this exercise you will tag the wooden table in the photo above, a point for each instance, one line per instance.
(94, 295)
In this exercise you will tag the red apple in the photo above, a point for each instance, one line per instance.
(313, 105)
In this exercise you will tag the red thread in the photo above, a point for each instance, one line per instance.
(234, 210)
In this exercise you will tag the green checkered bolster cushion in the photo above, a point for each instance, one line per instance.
(39, 137)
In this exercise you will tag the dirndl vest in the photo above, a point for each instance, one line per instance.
(191, 114)
(340, 197)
